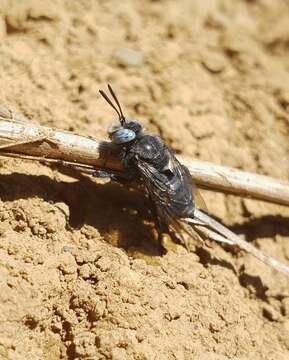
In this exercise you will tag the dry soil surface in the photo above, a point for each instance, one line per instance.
(80, 274)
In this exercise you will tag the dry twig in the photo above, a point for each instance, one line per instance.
(20, 137)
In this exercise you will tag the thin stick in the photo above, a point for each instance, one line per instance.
(20, 137)
(229, 180)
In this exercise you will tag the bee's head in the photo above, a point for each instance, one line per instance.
(126, 130)
(122, 134)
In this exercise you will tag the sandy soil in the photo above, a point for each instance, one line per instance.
(80, 274)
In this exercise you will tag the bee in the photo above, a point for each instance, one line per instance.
(150, 162)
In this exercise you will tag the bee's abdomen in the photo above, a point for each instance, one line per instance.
(181, 197)
(182, 202)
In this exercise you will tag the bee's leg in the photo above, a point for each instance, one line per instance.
(160, 226)
(162, 235)
(158, 223)
(102, 174)
(121, 178)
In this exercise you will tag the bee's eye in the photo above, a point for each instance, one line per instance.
(122, 136)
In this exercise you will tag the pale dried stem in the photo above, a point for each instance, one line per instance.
(19, 136)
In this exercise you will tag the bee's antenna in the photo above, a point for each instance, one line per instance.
(122, 119)
(106, 98)
(118, 108)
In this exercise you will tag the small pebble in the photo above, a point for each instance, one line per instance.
(129, 57)
(214, 62)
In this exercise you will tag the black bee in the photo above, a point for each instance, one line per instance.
(149, 161)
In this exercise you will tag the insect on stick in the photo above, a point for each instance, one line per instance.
(149, 157)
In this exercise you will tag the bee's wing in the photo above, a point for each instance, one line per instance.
(199, 200)
(158, 192)
(184, 172)
(183, 231)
